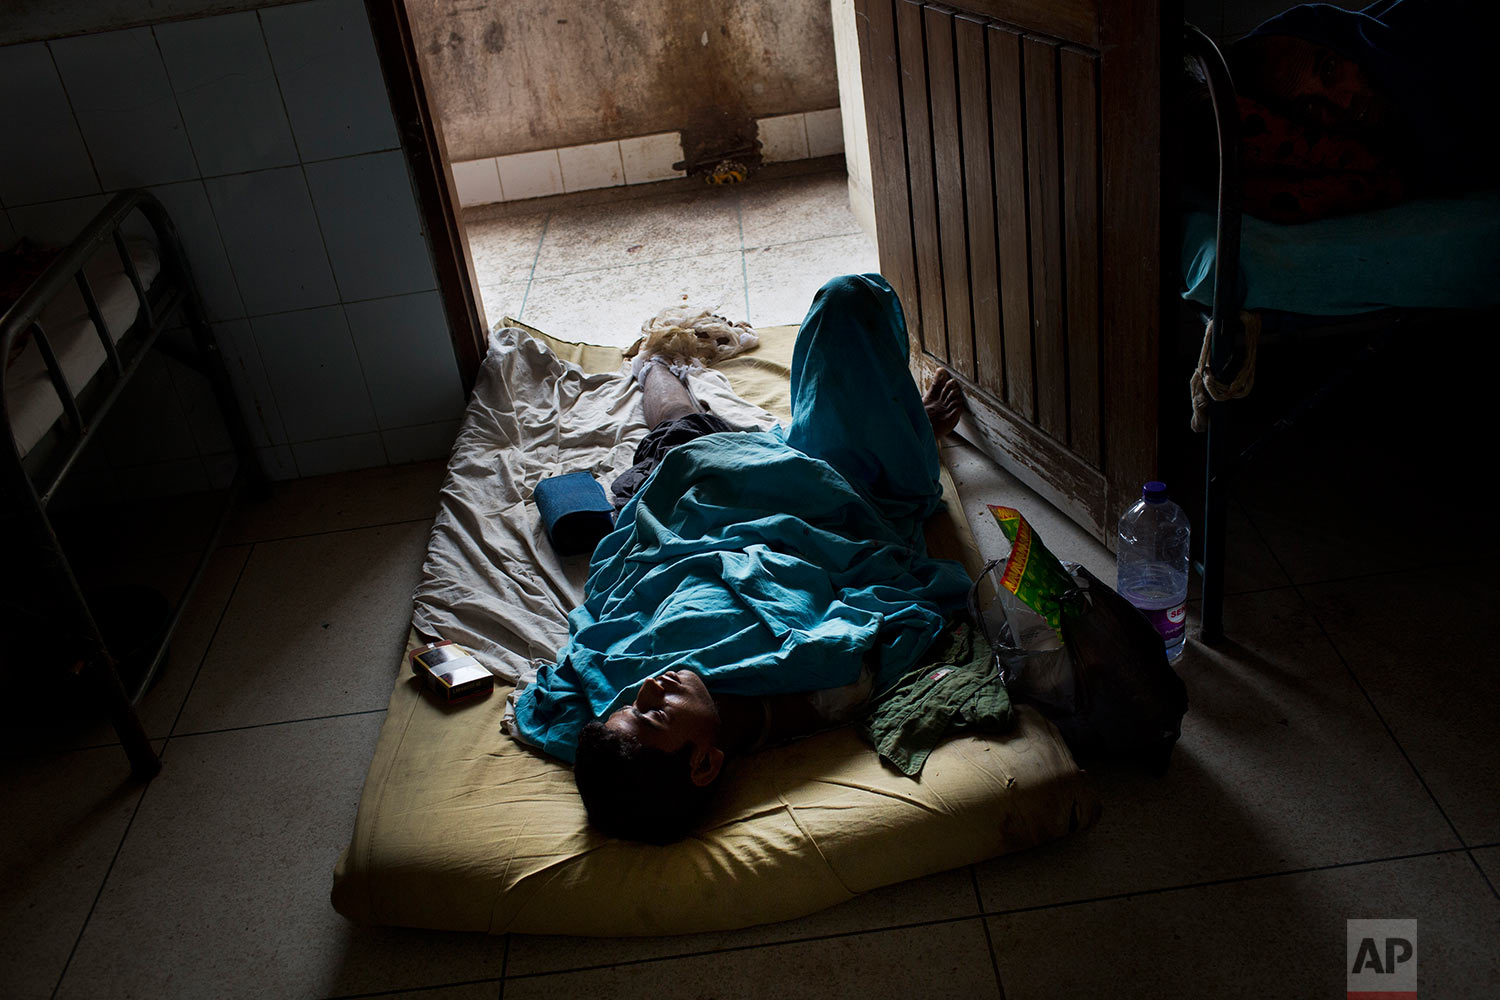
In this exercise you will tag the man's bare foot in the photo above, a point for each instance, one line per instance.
(944, 403)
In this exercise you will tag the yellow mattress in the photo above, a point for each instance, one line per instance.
(461, 828)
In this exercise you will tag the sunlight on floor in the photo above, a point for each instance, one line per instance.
(595, 273)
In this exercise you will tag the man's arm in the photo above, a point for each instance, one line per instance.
(792, 716)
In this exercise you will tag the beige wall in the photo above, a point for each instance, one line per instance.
(511, 76)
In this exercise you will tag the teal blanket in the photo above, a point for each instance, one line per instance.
(771, 562)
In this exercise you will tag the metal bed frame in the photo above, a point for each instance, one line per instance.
(1226, 345)
(1378, 331)
(29, 485)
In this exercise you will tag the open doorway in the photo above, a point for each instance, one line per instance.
(594, 271)
(578, 153)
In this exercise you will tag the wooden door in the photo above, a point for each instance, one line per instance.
(1017, 157)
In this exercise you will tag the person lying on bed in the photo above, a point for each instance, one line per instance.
(1351, 110)
(758, 585)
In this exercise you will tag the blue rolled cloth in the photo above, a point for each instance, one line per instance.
(575, 512)
(771, 562)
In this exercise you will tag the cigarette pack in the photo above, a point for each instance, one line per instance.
(451, 672)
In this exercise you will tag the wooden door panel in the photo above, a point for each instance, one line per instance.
(1013, 279)
(1080, 152)
(979, 202)
(912, 58)
(1029, 161)
(1143, 39)
(1044, 187)
(948, 166)
(880, 68)
(1075, 21)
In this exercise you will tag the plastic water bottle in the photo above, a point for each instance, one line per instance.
(1152, 563)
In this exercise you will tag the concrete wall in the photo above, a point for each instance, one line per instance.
(852, 112)
(268, 136)
(514, 76)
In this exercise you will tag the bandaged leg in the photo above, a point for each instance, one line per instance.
(667, 395)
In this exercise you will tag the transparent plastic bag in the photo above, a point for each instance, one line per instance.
(1029, 652)
(1067, 643)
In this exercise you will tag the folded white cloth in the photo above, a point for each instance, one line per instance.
(690, 338)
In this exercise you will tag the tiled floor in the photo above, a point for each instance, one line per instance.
(1340, 759)
(595, 273)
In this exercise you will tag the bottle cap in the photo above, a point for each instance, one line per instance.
(1154, 492)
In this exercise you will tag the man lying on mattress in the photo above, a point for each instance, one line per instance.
(758, 585)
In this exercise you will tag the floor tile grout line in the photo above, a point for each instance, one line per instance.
(678, 259)
(531, 273)
(1380, 716)
(739, 218)
(110, 191)
(1360, 685)
(248, 316)
(1373, 574)
(333, 531)
(208, 648)
(989, 941)
(1249, 592)
(663, 260)
(1227, 880)
(404, 990)
(40, 753)
(99, 893)
(278, 722)
(1484, 874)
(671, 188)
(985, 915)
(177, 718)
(702, 953)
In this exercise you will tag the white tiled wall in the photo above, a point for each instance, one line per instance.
(637, 160)
(593, 166)
(783, 137)
(530, 175)
(825, 132)
(268, 136)
(650, 158)
(576, 168)
(547, 172)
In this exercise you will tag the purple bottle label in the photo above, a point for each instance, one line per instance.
(1170, 622)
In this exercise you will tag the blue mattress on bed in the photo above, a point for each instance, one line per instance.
(1429, 253)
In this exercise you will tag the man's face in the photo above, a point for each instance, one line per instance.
(670, 712)
(1312, 82)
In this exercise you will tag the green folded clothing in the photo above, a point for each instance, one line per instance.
(956, 687)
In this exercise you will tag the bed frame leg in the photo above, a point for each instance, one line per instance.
(100, 672)
(72, 616)
(1215, 523)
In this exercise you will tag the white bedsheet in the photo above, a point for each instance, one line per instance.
(491, 580)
